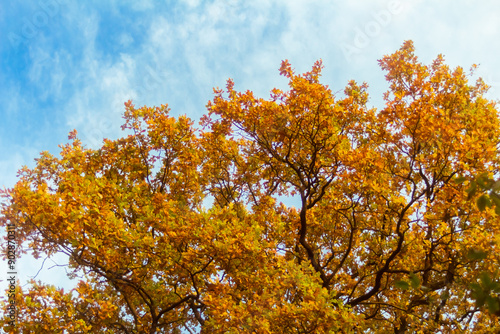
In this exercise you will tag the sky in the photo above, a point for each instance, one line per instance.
(68, 65)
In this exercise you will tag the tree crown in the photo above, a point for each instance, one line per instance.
(380, 240)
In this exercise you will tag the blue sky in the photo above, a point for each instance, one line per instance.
(70, 65)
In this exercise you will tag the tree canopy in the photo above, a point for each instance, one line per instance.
(182, 229)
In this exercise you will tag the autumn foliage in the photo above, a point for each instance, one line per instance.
(175, 228)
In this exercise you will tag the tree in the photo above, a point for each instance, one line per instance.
(486, 291)
(176, 229)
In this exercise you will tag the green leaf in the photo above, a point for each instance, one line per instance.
(480, 297)
(496, 199)
(402, 285)
(483, 181)
(482, 202)
(496, 185)
(445, 295)
(493, 304)
(486, 280)
(471, 191)
(414, 280)
(476, 290)
(475, 254)
(460, 179)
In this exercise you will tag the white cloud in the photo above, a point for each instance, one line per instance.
(142, 5)
(161, 36)
(192, 3)
(125, 39)
(11, 162)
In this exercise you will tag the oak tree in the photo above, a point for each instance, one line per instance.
(306, 212)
